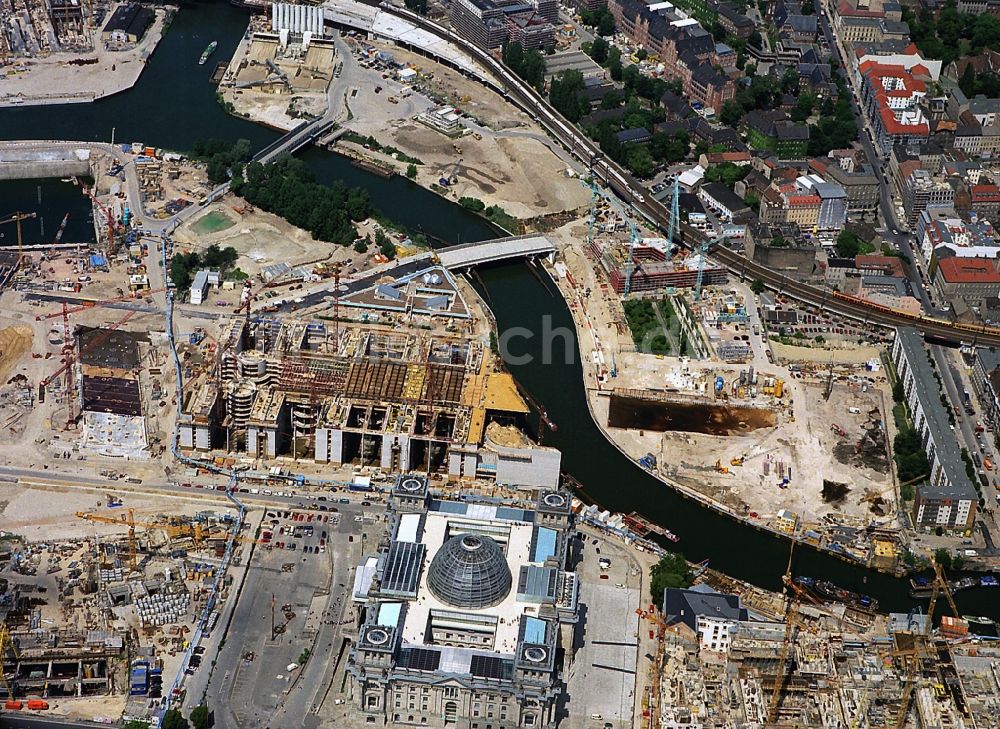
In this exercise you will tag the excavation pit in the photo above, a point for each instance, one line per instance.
(639, 414)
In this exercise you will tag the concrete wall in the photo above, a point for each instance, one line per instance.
(24, 164)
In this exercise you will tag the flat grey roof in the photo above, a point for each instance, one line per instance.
(929, 395)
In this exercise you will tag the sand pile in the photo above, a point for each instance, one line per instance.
(14, 343)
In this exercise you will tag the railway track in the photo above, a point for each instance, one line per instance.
(633, 193)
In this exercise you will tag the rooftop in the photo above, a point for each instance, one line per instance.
(957, 484)
(968, 270)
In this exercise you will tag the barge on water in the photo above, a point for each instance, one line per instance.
(828, 591)
(644, 527)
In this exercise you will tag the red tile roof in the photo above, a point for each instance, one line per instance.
(983, 193)
(968, 270)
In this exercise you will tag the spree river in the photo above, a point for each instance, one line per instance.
(174, 104)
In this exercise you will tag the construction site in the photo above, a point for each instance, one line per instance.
(366, 396)
(687, 384)
(64, 51)
(736, 657)
(100, 599)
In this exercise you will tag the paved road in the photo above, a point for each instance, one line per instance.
(262, 692)
(894, 232)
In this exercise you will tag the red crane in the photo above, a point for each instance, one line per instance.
(112, 223)
(70, 359)
(103, 302)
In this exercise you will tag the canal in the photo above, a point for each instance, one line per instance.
(174, 104)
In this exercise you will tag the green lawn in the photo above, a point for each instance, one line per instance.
(212, 223)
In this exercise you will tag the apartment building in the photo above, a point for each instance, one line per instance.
(948, 500)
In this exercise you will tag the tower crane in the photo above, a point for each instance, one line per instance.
(793, 594)
(70, 360)
(16, 218)
(129, 519)
(112, 223)
(912, 657)
(102, 302)
(633, 230)
(7, 649)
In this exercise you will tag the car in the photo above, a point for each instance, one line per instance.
(326, 518)
(594, 542)
(323, 535)
(186, 485)
(199, 650)
(604, 577)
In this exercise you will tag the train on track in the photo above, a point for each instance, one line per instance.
(621, 182)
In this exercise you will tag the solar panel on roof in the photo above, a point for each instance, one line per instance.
(420, 659)
(487, 667)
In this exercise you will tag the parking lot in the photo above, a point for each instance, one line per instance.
(602, 675)
(277, 658)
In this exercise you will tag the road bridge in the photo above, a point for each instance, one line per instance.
(294, 140)
(631, 191)
(467, 255)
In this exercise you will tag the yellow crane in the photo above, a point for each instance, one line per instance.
(793, 597)
(7, 648)
(17, 218)
(127, 518)
(175, 528)
(912, 656)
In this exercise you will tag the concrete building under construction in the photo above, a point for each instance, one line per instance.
(652, 267)
(381, 398)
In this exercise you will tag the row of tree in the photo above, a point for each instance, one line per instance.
(200, 718)
(222, 158)
(288, 188)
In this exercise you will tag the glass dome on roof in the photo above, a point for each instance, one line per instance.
(469, 571)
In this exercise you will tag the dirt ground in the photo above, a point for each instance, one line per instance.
(19, 512)
(848, 354)
(54, 80)
(14, 343)
(520, 174)
(806, 448)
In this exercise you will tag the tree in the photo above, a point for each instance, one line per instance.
(640, 161)
(808, 7)
(757, 286)
(943, 557)
(287, 188)
(411, 171)
(727, 173)
(201, 718)
(173, 719)
(564, 92)
(731, 113)
(416, 6)
(599, 51)
(848, 245)
(615, 69)
(671, 571)
(360, 245)
(612, 100)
